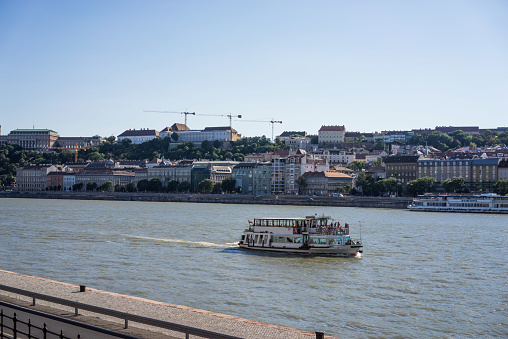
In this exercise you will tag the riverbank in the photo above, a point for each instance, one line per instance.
(350, 201)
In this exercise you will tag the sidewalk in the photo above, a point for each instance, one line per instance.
(215, 322)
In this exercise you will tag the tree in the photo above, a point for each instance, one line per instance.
(106, 186)
(143, 185)
(91, 186)
(154, 185)
(77, 187)
(228, 185)
(126, 142)
(205, 186)
(172, 186)
(454, 185)
(184, 186)
(175, 136)
(501, 187)
(380, 145)
(378, 162)
(301, 183)
(421, 186)
(216, 188)
(357, 165)
(131, 187)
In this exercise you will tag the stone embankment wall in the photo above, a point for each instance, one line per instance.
(376, 202)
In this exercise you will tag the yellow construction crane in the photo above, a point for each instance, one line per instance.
(76, 149)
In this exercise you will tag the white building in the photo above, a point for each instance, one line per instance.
(138, 136)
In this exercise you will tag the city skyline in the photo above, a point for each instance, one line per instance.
(85, 68)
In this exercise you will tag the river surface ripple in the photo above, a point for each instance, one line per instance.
(422, 274)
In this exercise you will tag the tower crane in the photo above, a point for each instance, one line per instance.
(272, 122)
(76, 149)
(185, 113)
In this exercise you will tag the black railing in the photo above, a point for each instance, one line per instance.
(16, 329)
(121, 315)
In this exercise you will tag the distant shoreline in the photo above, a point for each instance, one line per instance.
(349, 201)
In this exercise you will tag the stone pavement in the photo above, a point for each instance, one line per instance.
(210, 321)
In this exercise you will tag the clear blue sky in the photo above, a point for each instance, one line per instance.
(86, 67)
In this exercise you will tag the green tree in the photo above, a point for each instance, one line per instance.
(77, 187)
(421, 186)
(357, 165)
(175, 136)
(91, 186)
(131, 187)
(184, 186)
(172, 186)
(126, 142)
(106, 186)
(301, 183)
(217, 188)
(154, 185)
(205, 186)
(228, 185)
(501, 187)
(143, 185)
(454, 185)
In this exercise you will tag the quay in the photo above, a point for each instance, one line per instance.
(57, 303)
(297, 200)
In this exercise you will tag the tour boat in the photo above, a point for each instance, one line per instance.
(310, 235)
(484, 203)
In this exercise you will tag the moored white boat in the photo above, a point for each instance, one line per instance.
(309, 235)
(484, 203)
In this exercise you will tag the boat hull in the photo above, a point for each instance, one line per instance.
(348, 251)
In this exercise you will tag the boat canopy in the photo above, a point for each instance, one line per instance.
(292, 222)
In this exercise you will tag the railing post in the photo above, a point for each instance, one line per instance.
(33, 301)
(14, 329)
(76, 311)
(126, 323)
(61, 334)
(1, 323)
(44, 331)
(29, 329)
(320, 335)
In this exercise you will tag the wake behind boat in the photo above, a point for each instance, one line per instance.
(309, 235)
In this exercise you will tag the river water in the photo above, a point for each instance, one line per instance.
(421, 274)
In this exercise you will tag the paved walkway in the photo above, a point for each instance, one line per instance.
(183, 315)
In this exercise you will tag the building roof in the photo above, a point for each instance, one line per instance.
(402, 159)
(224, 128)
(287, 134)
(32, 131)
(139, 133)
(332, 128)
(337, 175)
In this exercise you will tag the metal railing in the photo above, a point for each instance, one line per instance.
(187, 330)
(15, 330)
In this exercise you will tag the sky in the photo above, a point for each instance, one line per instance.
(94, 67)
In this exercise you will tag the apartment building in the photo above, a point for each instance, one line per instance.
(403, 168)
(331, 134)
(33, 177)
(138, 136)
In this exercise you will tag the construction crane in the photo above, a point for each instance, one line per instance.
(230, 116)
(76, 149)
(185, 113)
(272, 122)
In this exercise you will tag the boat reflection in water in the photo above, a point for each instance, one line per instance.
(309, 235)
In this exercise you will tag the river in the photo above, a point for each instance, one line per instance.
(422, 274)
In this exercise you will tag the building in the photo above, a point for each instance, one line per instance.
(484, 174)
(262, 180)
(33, 139)
(334, 156)
(243, 174)
(331, 134)
(502, 170)
(33, 177)
(210, 134)
(99, 177)
(403, 168)
(473, 130)
(138, 136)
(168, 131)
(278, 175)
(325, 183)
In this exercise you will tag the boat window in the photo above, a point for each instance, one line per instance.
(298, 240)
(265, 240)
(322, 241)
(257, 238)
(332, 241)
(313, 240)
(289, 239)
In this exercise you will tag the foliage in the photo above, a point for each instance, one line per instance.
(445, 142)
(91, 186)
(184, 186)
(154, 185)
(77, 187)
(228, 185)
(143, 185)
(454, 185)
(205, 186)
(131, 187)
(421, 186)
(356, 165)
(106, 186)
(172, 186)
(301, 183)
(501, 187)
